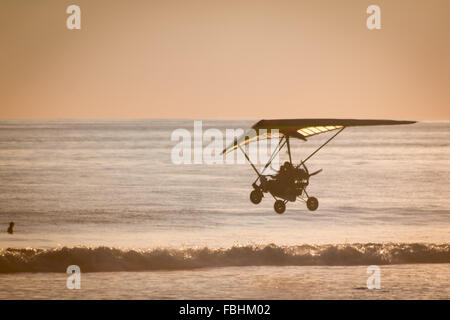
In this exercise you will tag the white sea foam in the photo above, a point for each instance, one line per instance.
(101, 259)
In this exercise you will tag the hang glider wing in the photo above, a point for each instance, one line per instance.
(302, 128)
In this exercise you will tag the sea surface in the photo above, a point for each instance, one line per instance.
(107, 197)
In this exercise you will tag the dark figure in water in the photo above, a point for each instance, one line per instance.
(11, 227)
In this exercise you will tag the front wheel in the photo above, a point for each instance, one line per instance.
(312, 203)
(279, 206)
(256, 196)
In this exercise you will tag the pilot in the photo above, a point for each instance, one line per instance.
(285, 166)
(11, 228)
(285, 174)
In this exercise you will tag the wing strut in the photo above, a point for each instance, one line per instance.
(275, 152)
(289, 149)
(323, 145)
(249, 161)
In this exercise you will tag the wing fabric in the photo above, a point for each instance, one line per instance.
(311, 131)
(302, 128)
(250, 136)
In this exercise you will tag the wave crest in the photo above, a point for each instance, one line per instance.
(102, 259)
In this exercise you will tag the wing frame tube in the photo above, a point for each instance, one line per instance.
(323, 145)
(249, 161)
(275, 152)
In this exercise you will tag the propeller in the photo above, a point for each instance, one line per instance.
(315, 172)
(307, 171)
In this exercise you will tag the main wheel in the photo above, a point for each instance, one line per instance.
(312, 203)
(279, 206)
(256, 196)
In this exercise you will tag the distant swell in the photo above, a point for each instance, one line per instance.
(102, 259)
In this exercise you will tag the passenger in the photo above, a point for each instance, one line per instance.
(285, 174)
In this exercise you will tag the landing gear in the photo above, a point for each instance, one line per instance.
(312, 203)
(279, 206)
(256, 196)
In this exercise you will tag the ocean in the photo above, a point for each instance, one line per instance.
(106, 196)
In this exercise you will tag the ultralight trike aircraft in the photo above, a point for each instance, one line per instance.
(290, 183)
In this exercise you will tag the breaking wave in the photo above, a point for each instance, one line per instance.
(102, 259)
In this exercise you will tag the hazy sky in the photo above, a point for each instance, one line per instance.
(225, 59)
